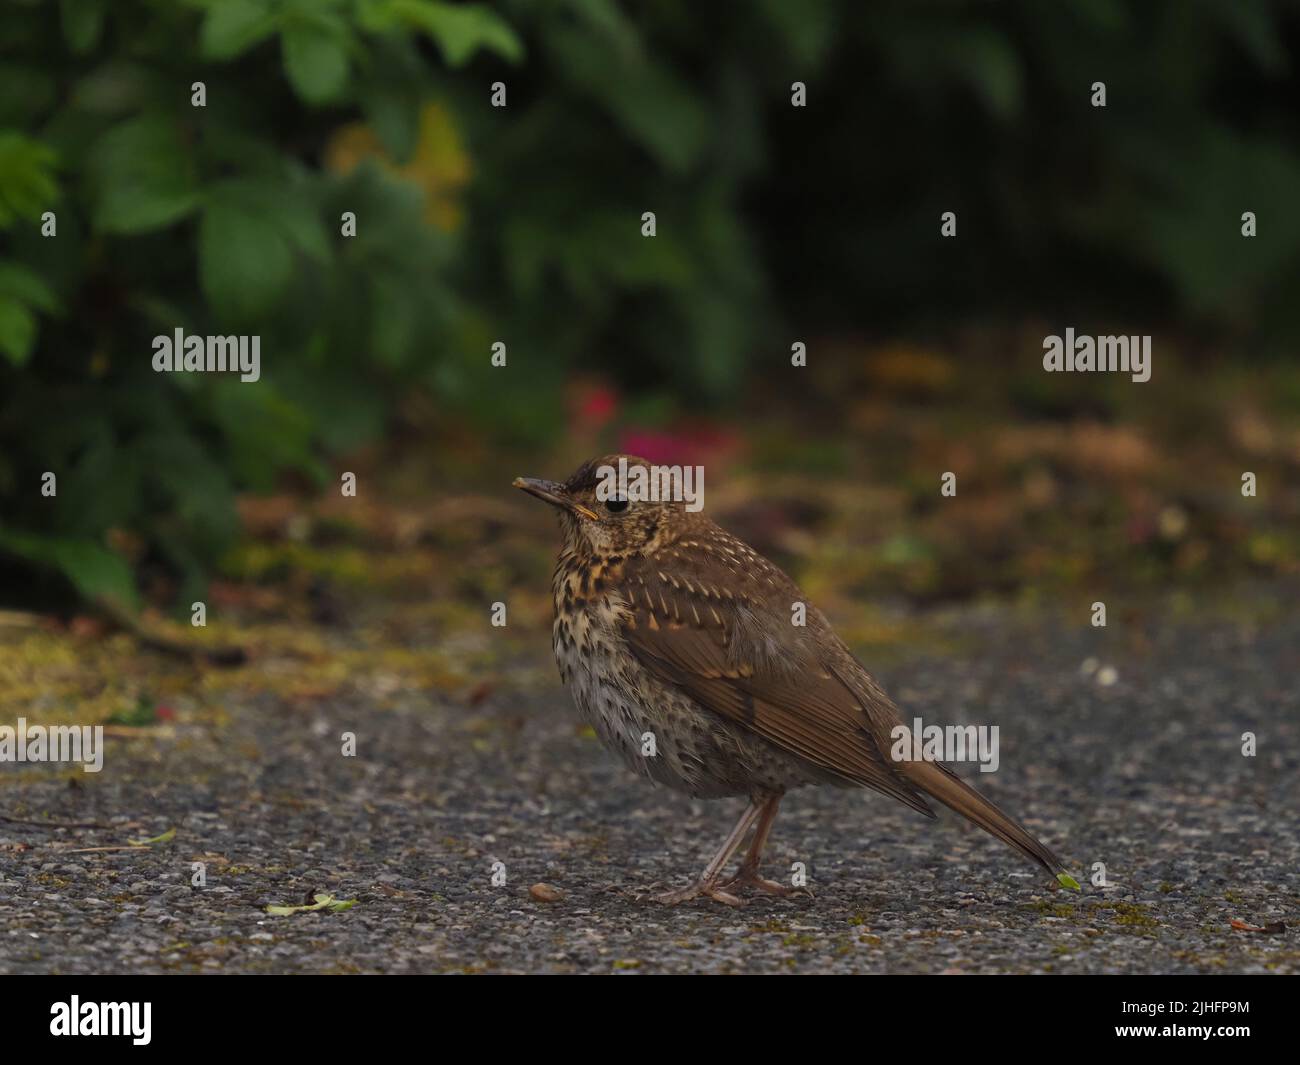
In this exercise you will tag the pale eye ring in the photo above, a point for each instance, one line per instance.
(616, 506)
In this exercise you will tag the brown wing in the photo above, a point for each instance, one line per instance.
(750, 665)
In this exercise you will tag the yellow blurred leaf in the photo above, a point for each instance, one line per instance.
(439, 165)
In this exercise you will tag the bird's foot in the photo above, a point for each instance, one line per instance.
(701, 888)
(726, 891)
(750, 878)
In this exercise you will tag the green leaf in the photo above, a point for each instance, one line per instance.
(323, 902)
(394, 115)
(286, 207)
(266, 431)
(20, 283)
(142, 176)
(27, 183)
(1066, 880)
(22, 292)
(232, 27)
(807, 28)
(304, 229)
(460, 30)
(17, 330)
(83, 22)
(392, 317)
(651, 103)
(244, 261)
(99, 575)
(247, 238)
(315, 61)
(991, 66)
(166, 837)
(138, 715)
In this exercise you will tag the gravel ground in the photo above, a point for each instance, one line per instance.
(1143, 773)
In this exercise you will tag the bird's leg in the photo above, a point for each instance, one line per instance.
(707, 884)
(747, 875)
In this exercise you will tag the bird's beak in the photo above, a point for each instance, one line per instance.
(554, 493)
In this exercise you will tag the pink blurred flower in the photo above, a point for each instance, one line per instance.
(592, 405)
(686, 442)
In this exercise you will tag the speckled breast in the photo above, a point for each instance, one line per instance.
(659, 732)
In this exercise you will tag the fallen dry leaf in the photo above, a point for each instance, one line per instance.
(1273, 928)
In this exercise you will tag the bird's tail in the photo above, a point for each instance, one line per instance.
(939, 782)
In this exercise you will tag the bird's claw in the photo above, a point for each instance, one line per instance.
(725, 891)
(750, 878)
(701, 888)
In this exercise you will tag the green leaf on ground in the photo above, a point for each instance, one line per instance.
(323, 902)
(141, 715)
(166, 837)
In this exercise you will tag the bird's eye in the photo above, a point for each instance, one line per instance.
(615, 506)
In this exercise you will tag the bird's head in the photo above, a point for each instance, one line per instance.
(619, 504)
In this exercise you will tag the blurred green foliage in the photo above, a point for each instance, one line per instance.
(1129, 212)
(521, 224)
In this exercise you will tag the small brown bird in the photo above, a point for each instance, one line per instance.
(667, 625)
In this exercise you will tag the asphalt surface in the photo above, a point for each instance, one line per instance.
(1133, 761)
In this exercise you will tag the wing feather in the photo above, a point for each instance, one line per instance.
(746, 668)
